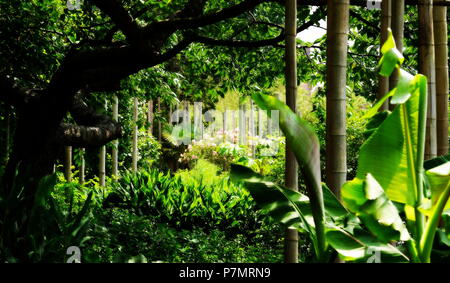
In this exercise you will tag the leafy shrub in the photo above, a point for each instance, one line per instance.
(121, 236)
(188, 203)
(75, 194)
(50, 228)
(149, 150)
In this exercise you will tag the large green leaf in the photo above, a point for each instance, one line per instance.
(301, 138)
(392, 58)
(285, 206)
(438, 178)
(362, 247)
(369, 202)
(333, 207)
(303, 141)
(389, 153)
(429, 164)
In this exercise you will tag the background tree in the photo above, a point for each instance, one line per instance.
(179, 49)
(441, 51)
(291, 167)
(115, 149)
(386, 18)
(337, 36)
(398, 27)
(427, 67)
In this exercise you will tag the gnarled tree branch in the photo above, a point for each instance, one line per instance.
(93, 129)
(204, 20)
(315, 17)
(88, 136)
(120, 16)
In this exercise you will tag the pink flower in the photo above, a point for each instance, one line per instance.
(194, 157)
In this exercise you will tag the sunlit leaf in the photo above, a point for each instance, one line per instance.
(362, 247)
(368, 201)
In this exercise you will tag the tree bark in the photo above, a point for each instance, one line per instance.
(442, 80)
(291, 166)
(336, 146)
(115, 149)
(398, 26)
(134, 154)
(427, 68)
(383, 83)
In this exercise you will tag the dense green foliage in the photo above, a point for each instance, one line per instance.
(194, 216)
(368, 220)
(181, 205)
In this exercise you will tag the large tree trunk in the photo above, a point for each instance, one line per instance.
(383, 83)
(398, 23)
(441, 48)
(336, 146)
(427, 68)
(291, 166)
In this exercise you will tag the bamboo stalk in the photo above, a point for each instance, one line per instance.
(224, 125)
(291, 166)
(102, 161)
(82, 167)
(68, 163)
(336, 146)
(134, 153)
(398, 26)
(159, 121)
(383, 83)
(442, 80)
(427, 68)
(150, 117)
(8, 134)
(115, 149)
